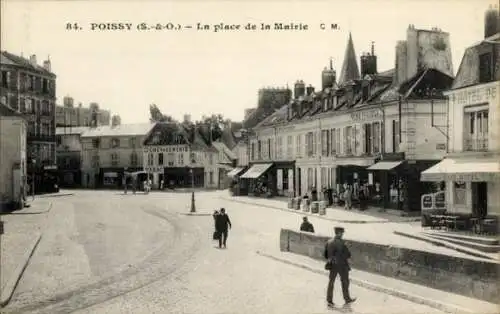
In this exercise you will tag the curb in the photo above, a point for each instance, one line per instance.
(441, 243)
(298, 212)
(12, 282)
(54, 195)
(196, 214)
(449, 308)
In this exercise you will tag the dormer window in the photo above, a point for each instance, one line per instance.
(486, 67)
(366, 92)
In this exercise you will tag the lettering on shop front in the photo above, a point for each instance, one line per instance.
(474, 95)
(153, 169)
(366, 115)
(168, 149)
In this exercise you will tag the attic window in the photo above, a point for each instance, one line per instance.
(485, 68)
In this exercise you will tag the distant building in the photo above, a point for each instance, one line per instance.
(110, 151)
(13, 174)
(471, 169)
(70, 115)
(30, 89)
(69, 155)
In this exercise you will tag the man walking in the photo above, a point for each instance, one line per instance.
(337, 255)
(222, 224)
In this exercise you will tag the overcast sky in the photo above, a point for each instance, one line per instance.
(202, 72)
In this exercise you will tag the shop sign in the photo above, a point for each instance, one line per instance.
(366, 115)
(475, 95)
(153, 169)
(165, 149)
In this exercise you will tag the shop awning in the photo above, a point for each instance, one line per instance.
(256, 171)
(235, 172)
(459, 170)
(385, 165)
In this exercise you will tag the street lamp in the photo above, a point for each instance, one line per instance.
(191, 171)
(33, 161)
(125, 179)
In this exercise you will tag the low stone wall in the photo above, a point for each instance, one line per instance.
(471, 278)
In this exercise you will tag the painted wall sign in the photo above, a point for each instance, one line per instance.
(366, 115)
(166, 149)
(153, 169)
(474, 95)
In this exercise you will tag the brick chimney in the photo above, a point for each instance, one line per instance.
(47, 66)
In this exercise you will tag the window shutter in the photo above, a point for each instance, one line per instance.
(362, 139)
(354, 140)
(344, 140)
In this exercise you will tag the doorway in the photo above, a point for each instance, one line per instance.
(479, 199)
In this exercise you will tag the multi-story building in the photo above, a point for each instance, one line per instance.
(361, 129)
(70, 115)
(180, 156)
(30, 89)
(471, 169)
(13, 134)
(69, 155)
(108, 152)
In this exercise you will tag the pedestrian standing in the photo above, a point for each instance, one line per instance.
(348, 197)
(222, 224)
(306, 225)
(337, 255)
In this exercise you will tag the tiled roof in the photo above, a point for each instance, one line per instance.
(468, 72)
(221, 147)
(71, 130)
(382, 89)
(9, 112)
(12, 59)
(119, 130)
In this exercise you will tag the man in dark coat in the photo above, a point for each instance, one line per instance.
(338, 254)
(222, 224)
(306, 225)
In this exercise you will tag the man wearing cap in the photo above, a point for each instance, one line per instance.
(337, 255)
(306, 225)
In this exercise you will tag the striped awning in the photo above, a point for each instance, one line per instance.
(463, 170)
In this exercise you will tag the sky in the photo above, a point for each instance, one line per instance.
(199, 72)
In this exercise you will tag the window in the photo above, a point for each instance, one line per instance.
(115, 159)
(132, 142)
(477, 129)
(289, 146)
(259, 149)
(376, 137)
(460, 193)
(348, 139)
(253, 151)
(368, 138)
(170, 159)
(5, 78)
(280, 147)
(298, 147)
(115, 143)
(333, 140)
(485, 68)
(150, 159)
(310, 144)
(180, 159)
(210, 159)
(160, 159)
(324, 142)
(395, 136)
(96, 142)
(134, 159)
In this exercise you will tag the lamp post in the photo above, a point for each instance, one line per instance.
(33, 161)
(125, 179)
(193, 205)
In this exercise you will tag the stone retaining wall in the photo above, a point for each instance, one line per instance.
(471, 278)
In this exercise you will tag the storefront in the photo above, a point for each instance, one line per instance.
(183, 177)
(394, 183)
(285, 178)
(472, 184)
(261, 180)
(112, 177)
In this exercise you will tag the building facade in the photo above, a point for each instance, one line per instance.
(363, 128)
(13, 166)
(30, 89)
(181, 157)
(108, 152)
(471, 169)
(69, 155)
(71, 115)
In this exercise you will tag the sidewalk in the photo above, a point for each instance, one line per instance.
(338, 214)
(23, 232)
(444, 301)
(364, 228)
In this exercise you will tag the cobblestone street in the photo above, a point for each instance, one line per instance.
(105, 252)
